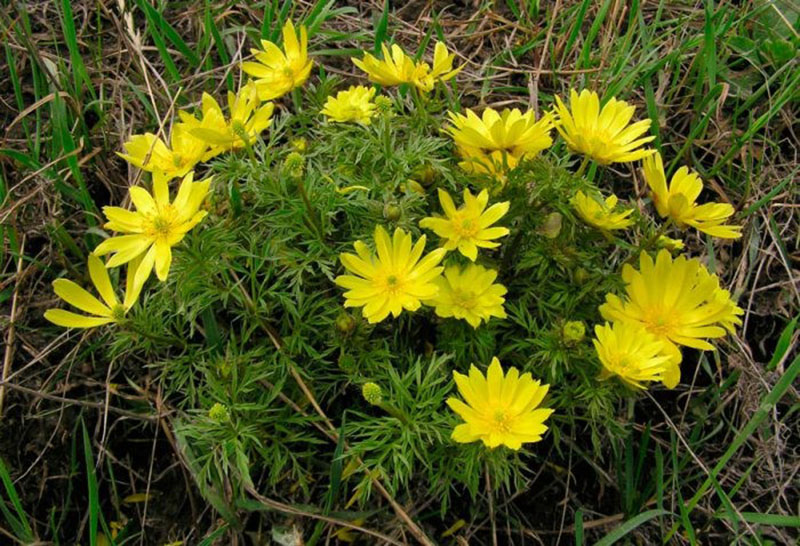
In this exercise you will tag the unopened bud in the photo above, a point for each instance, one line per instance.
(347, 363)
(294, 164)
(345, 323)
(299, 145)
(383, 104)
(219, 413)
(573, 332)
(392, 212)
(426, 174)
(552, 225)
(372, 393)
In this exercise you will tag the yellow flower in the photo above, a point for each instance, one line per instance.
(151, 154)
(499, 410)
(442, 69)
(495, 164)
(627, 350)
(396, 279)
(277, 72)
(678, 201)
(469, 294)
(397, 68)
(602, 134)
(355, 104)
(678, 301)
(510, 133)
(102, 312)
(600, 214)
(155, 227)
(248, 119)
(467, 228)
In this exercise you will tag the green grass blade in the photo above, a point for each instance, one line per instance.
(767, 405)
(629, 526)
(19, 522)
(79, 74)
(168, 31)
(91, 478)
(381, 27)
(783, 345)
(225, 59)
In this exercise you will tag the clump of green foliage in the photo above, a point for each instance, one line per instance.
(251, 300)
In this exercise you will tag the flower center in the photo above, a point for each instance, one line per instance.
(502, 421)
(118, 312)
(464, 298)
(467, 228)
(393, 284)
(177, 160)
(163, 223)
(659, 324)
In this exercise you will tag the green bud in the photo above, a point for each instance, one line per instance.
(552, 225)
(581, 275)
(219, 413)
(573, 332)
(294, 164)
(347, 363)
(345, 323)
(372, 393)
(299, 145)
(392, 212)
(383, 104)
(426, 174)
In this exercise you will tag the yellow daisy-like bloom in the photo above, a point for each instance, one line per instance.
(442, 69)
(355, 104)
(102, 312)
(248, 119)
(155, 227)
(468, 227)
(499, 410)
(630, 352)
(500, 135)
(397, 68)
(469, 294)
(396, 279)
(602, 134)
(600, 214)
(677, 201)
(151, 154)
(678, 301)
(277, 71)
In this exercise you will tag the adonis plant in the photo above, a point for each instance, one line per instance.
(367, 282)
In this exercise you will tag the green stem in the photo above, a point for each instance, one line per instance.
(311, 212)
(297, 100)
(241, 132)
(582, 168)
(419, 103)
(394, 412)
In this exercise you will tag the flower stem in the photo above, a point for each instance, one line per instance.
(582, 168)
(394, 412)
(297, 100)
(312, 215)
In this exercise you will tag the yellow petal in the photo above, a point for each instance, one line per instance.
(99, 275)
(68, 319)
(80, 298)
